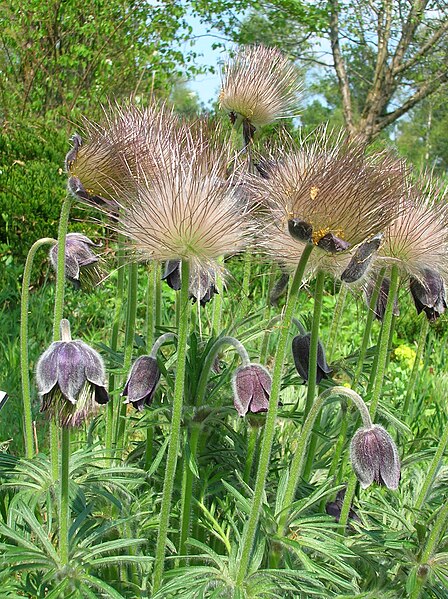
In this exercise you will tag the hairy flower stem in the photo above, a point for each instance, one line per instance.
(312, 368)
(131, 311)
(336, 321)
(114, 402)
(336, 465)
(173, 448)
(367, 328)
(57, 317)
(421, 344)
(64, 508)
(217, 303)
(267, 334)
(382, 351)
(433, 540)
(431, 473)
(269, 429)
(251, 444)
(150, 319)
(24, 358)
(188, 475)
(300, 454)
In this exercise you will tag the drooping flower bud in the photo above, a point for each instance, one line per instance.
(142, 382)
(71, 378)
(429, 294)
(202, 281)
(301, 354)
(361, 259)
(381, 302)
(251, 389)
(81, 264)
(334, 508)
(374, 457)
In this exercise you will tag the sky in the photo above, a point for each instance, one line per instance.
(206, 86)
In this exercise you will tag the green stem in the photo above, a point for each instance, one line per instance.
(312, 363)
(269, 429)
(24, 358)
(377, 383)
(209, 360)
(150, 305)
(112, 406)
(431, 473)
(171, 461)
(187, 489)
(57, 317)
(336, 321)
(312, 368)
(265, 343)
(217, 303)
(415, 368)
(305, 434)
(431, 545)
(158, 299)
(64, 508)
(368, 328)
(251, 444)
(334, 466)
(131, 311)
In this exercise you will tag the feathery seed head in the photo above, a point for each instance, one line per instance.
(329, 195)
(108, 157)
(260, 85)
(187, 210)
(418, 239)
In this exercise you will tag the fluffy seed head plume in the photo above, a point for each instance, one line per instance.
(186, 210)
(260, 84)
(330, 195)
(106, 157)
(418, 239)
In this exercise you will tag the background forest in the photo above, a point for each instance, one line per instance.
(377, 70)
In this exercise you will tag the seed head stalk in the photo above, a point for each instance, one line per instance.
(265, 453)
(57, 317)
(173, 448)
(113, 403)
(431, 544)
(24, 358)
(188, 476)
(131, 311)
(312, 369)
(382, 353)
(421, 344)
(358, 370)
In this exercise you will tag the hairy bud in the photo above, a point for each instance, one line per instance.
(375, 458)
(251, 389)
(142, 382)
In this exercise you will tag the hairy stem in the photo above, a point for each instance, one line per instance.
(173, 448)
(336, 321)
(416, 366)
(24, 358)
(377, 383)
(269, 429)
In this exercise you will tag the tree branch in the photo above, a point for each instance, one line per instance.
(339, 66)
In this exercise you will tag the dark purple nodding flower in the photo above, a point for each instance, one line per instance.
(361, 260)
(429, 294)
(301, 354)
(142, 382)
(202, 284)
(81, 264)
(301, 230)
(375, 458)
(334, 508)
(70, 378)
(381, 302)
(332, 244)
(251, 389)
